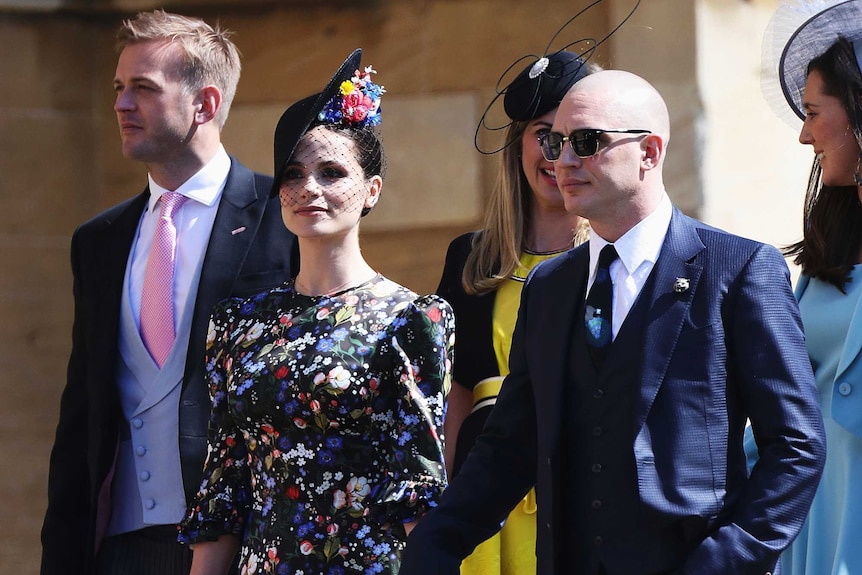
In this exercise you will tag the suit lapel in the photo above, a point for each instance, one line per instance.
(119, 234)
(853, 342)
(108, 271)
(236, 223)
(552, 337)
(668, 308)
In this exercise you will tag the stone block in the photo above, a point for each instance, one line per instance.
(45, 76)
(48, 167)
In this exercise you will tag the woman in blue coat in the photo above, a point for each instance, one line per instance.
(821, 80)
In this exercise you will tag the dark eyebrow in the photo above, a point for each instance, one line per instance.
(332, 162)
(137, 80)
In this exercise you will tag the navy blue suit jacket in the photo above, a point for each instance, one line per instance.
(730, 347)
(249, 250)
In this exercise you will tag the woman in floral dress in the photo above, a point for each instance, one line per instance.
(325, 436)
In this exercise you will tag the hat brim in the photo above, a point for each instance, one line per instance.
(811, 39)
(296, 120)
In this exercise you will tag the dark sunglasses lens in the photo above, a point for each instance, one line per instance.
(552, 145)
(585, 142)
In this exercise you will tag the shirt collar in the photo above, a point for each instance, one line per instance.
(204, 187)
(641, 243)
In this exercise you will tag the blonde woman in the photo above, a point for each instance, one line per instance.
(526, 223)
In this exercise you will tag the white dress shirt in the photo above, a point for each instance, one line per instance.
(638, 250)
(194, 222)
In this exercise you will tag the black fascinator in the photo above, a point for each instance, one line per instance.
(331, 106)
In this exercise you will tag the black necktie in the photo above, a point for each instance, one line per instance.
(599, 304)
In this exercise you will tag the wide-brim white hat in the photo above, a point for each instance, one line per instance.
(799, 31)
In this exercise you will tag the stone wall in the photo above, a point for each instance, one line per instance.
(47, 148)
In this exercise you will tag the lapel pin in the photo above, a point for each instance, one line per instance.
(681, 285)
(239, 230)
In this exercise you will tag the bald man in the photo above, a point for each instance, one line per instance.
(632, 379)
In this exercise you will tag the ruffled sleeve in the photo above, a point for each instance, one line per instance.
(421, 348)
(221, 505)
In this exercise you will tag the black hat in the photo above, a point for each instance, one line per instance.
(540, 87)
(296, 120)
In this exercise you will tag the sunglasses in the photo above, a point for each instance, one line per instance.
(584, 142)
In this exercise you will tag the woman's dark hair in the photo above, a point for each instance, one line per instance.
(832, 218)
(369, 146)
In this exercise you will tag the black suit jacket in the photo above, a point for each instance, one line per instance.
(726, 346)
(249, 250)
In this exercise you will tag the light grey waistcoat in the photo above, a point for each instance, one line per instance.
(147, 487)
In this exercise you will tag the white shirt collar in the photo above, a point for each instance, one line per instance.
(204, 187)
(641, 243)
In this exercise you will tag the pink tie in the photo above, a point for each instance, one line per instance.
(157, 296)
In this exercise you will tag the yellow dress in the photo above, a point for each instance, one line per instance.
(512, 551)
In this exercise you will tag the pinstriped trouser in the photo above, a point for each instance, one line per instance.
(149, 551)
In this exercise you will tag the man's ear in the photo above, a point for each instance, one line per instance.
(652, 151)
(208, 103)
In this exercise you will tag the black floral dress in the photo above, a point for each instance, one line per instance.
(326, 429)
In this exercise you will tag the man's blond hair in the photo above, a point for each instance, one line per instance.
(210, 58)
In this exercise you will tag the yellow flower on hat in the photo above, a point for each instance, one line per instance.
(347, 87)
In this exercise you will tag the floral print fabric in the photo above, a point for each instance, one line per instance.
(326, 428)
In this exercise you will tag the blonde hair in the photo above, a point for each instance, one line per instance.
(496, 250)
(210, 58)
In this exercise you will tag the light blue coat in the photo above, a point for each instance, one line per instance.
(831, 547)
(847, 399)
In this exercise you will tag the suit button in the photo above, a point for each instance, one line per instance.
(137, 423)
(145, 475)
(596, 468)
(598, 394)
(596, 504)
(598, 540)
(597, 431)
(149, 503)
(549, 461)
(141, 450)
(845, 388)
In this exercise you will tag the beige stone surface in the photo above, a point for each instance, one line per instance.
(433, 178)
(35, 304)
(46, 159)
(754, 169)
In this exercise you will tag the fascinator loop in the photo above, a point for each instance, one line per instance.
(541, 85)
